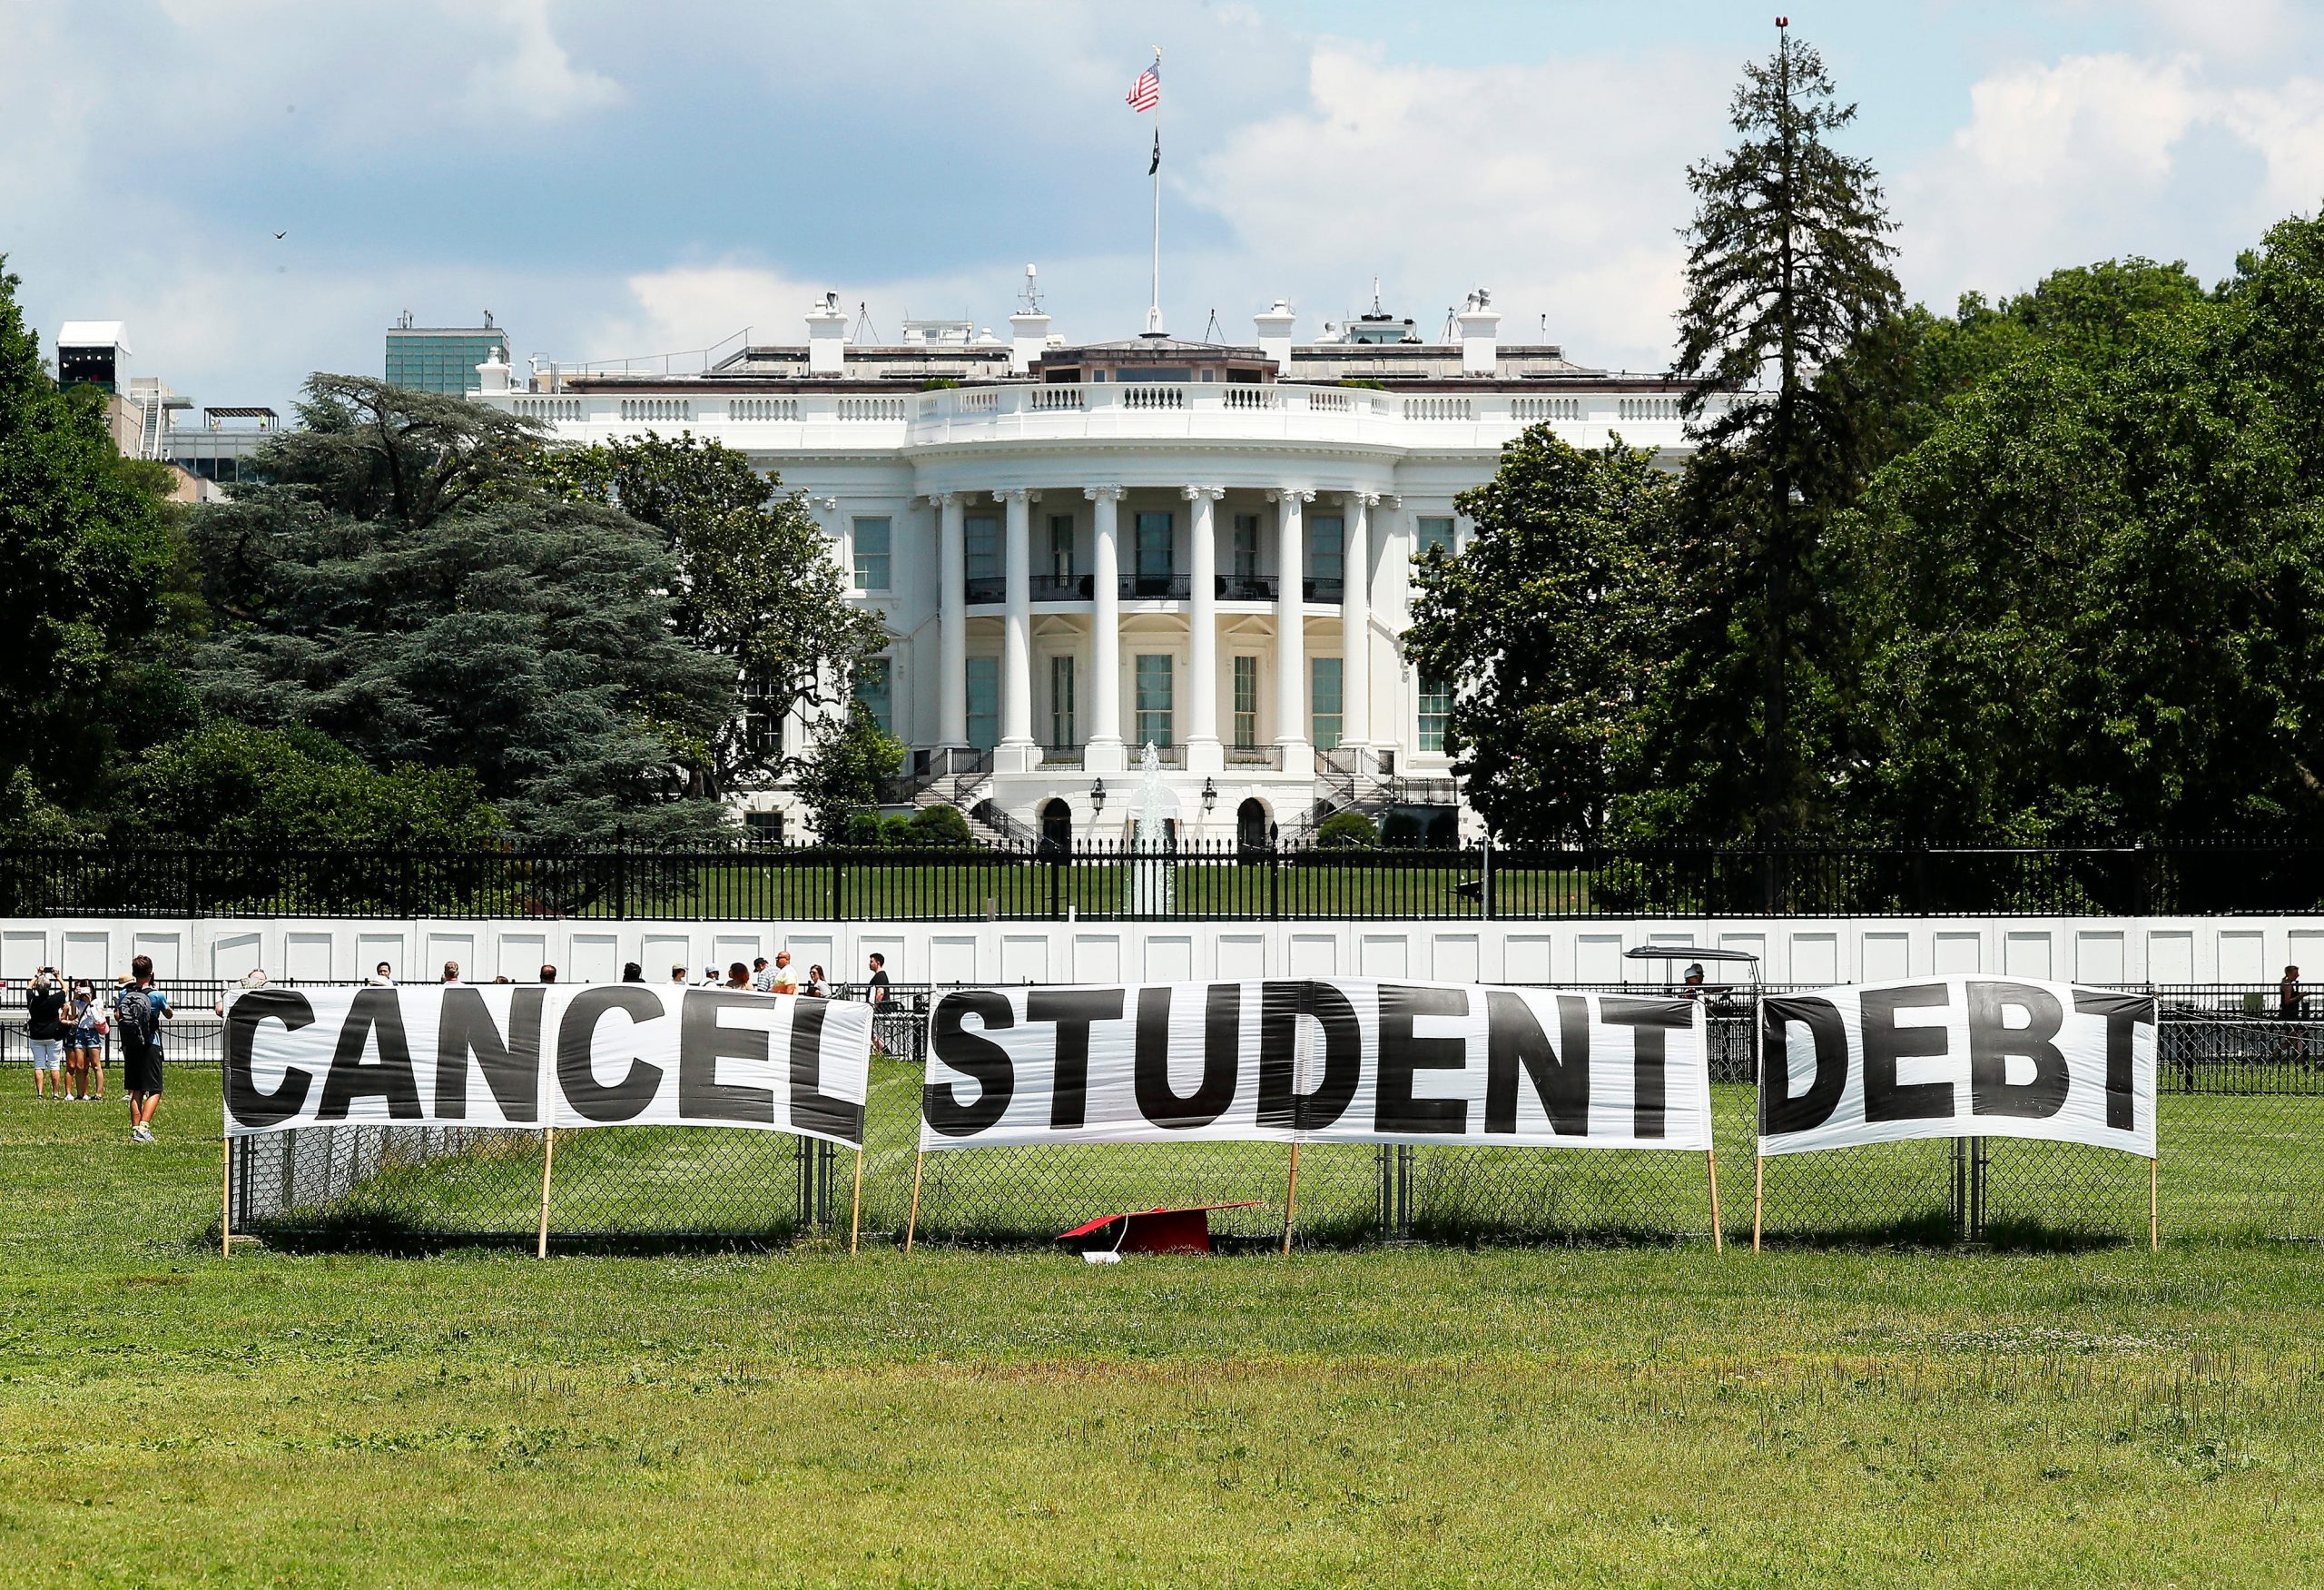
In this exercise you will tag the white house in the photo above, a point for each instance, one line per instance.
(1080, 551)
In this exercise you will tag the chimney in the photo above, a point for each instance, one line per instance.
(1479, 335)
(1274, 334)
(826, 337)
(492, 375)
(1029, 333)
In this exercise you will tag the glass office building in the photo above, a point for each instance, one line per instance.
(439, 358)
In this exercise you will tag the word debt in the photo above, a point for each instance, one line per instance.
(1337, 1060)
(615, 1054)
(1956, 1057)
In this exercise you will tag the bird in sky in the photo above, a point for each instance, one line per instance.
(280, 235)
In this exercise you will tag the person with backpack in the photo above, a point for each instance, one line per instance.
(138, 1009)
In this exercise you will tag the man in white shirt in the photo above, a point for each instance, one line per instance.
(383, 976)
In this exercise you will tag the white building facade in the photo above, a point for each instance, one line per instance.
(1077, 551)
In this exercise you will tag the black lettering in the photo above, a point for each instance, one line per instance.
(373, 1012)
(1157, 1099)
(1402, 1054)
(811, 1109)
(702, 1042)
(1072, 1009)
(244, 1102)
(1560, 1077)
(1886, 1043)
(1779, 1111)
(973, 1056)
(2124, 1013)
(1648, 1020)
(1992, 1042)
(511, 1067)
(1281, 1006)
(606, 1104)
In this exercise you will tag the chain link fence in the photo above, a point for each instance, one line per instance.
(2241, 1131)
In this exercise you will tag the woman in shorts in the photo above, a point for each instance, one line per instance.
(85, 1044)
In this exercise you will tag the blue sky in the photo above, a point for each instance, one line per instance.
(630, 179)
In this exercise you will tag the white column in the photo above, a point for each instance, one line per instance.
(1102, 751)
(1016, 750)
(1290, 639)
(1203, 753)
(1355, 622)
(952, 625)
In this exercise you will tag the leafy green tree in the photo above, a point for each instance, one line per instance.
(235, 786)
(1550, 626)
(88, 558)
(940, 827)
(755, 583)
(1787, 267)
(852, 758)
(404, 582)
(2089, 596)
(1347, 831)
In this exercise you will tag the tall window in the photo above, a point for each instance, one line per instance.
(980, 538)
(875, 688)
(1326, 543)
(1154, 700)
(1243, 562)
(871, 554)
(1246, 701)
(1061, 547)
(984, 702)
(1435, 707)
(1323, 702)
(1154, 558)
(1432, 532)
(1061, 724)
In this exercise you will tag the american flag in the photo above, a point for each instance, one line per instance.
(1147, 92)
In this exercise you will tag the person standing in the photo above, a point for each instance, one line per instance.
(631, 971)
(383, 976)
(549, 974)
(784, 979)
(138, 1010)
(760, 977)
(85, 1046)
(875, 988)
(451, 971)
(816, 987)
(677, 977)
(45, 1027)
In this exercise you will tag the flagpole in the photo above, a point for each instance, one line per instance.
(1153, 313)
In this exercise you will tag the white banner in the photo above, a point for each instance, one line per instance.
(1336, 1060)
(1957, 1057)
(532, 1055)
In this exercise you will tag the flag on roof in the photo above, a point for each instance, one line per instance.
(1147, 92)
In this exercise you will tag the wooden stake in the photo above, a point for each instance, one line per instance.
(912, 1224)
(1290, 1199)
(2153, 1213)
(1758, 1197)
(855, 1214)
(548, 1159)
(1711, 1163)
(226, 1200)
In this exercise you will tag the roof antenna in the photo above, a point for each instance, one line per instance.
(1212, 326)
(864, 332)
(1029, 300)
(1376, 299)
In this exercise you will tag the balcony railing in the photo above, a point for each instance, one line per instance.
(1157, 587)
(1063, 587)
(1321, 589)
(1255, 756)
(1060, 756)
(982, 591)
(1246, 587)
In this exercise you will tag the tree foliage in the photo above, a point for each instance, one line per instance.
(755, 583)
(1551, 629)
(239, 788)
(852, 758)
(405, 584)
(88, 558)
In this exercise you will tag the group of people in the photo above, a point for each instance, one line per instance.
(67, 1026)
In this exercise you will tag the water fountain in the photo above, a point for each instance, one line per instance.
(1153, 877)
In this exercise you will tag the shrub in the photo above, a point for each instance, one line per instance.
(1346, 831)
(864, 829)
(1444, 832)
(897, 831)
(939, 828)
(1400, 828)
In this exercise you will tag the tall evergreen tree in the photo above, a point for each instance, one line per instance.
(1788, 265)
(404, 583)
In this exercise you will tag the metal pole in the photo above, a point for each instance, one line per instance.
(1710, 1164)
(1758, 1197)
(1290, 1199)
(2153, 1214)
(226, 1200)
(913, 1223)
(855, 1215)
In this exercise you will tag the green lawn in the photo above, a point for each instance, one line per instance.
(1423, 1415)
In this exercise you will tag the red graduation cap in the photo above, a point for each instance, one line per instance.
(1152, 1231)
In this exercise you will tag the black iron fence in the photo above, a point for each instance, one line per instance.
(1205, 879)
(2241, 1135)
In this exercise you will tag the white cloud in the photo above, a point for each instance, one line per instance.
(538, 81)
(1560, 186)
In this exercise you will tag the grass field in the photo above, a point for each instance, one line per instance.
(1653, 1416)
